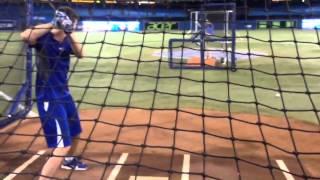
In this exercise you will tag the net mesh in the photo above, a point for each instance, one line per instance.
(142, 119)
(12, 65)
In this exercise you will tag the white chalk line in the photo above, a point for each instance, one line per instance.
(186, 167)
(115, 171)
(24, 165)
(284, 169)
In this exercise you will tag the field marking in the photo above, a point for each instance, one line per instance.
(115, 171)
(31, 114)
(284, 168)
(184, 176)
(147, 178)
(24, 165)
(185, 167)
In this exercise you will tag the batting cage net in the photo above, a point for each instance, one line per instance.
(13, 71)
(212, 43)
(165, 90)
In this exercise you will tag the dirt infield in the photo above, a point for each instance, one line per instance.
(158, 141)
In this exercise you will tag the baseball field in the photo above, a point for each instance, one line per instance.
(142, 119)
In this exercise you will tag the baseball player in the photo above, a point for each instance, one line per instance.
(54, 43)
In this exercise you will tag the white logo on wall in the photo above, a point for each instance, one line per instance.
(110, 25)
(39, 18)
(7, 24)
(310, 23)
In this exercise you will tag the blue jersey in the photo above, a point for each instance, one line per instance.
(53, 61)
(57, 110)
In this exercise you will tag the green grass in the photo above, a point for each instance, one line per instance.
(11, 65)
(120, 70)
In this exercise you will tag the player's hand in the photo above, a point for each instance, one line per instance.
(62, 21)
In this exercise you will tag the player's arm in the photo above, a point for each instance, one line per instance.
(76, 46)
(31, 35)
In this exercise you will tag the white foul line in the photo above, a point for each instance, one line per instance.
(8, 98)
(115, 171)
(24, 165)
(284, 169)
(185, 167)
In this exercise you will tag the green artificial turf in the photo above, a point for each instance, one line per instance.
(120, 70)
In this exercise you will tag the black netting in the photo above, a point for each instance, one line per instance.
(158, 98)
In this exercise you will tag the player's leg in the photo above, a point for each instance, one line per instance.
(53, 163)
(72, 161)
(56, 129)
(74, 150)
(74, 123)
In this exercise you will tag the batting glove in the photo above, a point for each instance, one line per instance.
(62, 21)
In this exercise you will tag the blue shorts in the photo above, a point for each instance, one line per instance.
(60, 121)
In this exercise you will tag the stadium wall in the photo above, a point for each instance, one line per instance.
(177, 19)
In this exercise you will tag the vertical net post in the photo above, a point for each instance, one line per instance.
(29, 6)
(202, 19)
(194, 20)
(233, 36)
